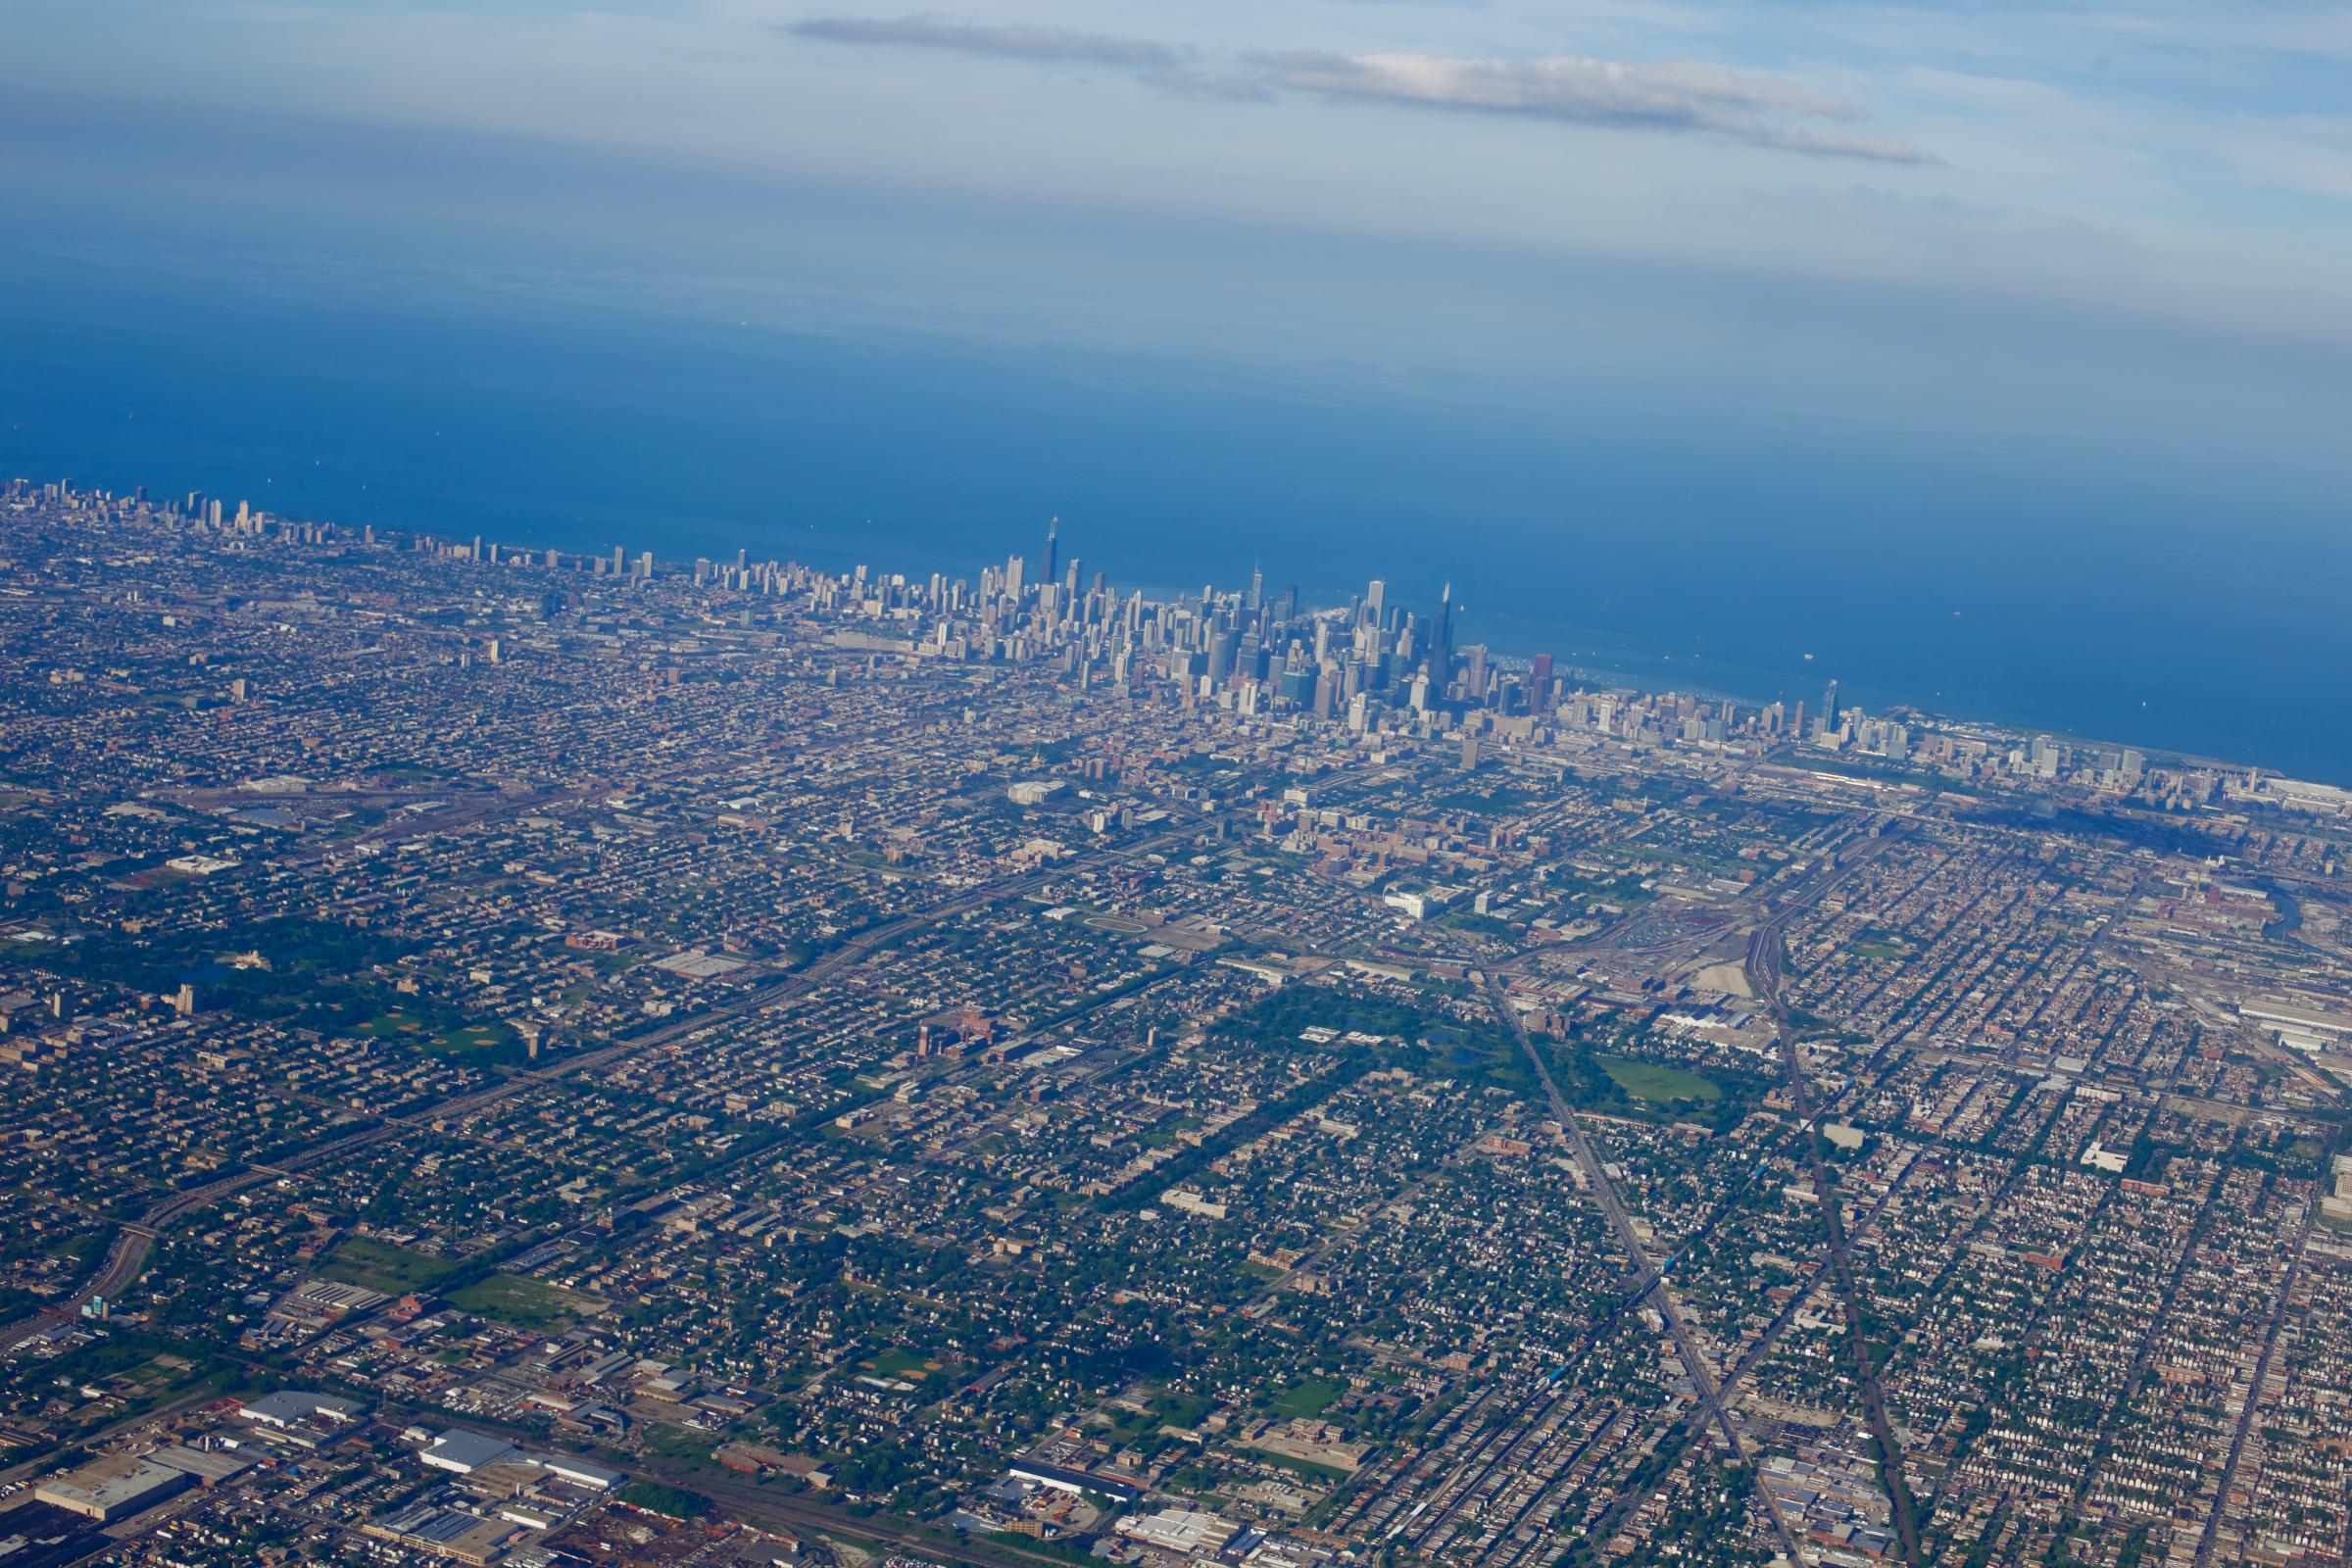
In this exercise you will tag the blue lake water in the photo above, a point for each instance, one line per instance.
(2095, 598)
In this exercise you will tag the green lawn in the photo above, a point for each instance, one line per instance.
(672, 1441)
(896, 1363)
(491, 1044)
(1297, 1466)
(382, 1266)
(1181, 1409)
(524, 1303)
(160, 1373)
(1310, 1397)
(476, 1037)
(1649, 1080)
(80, 1247)
(672, 1502)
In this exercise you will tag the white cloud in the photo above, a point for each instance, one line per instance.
(1005, 42)
(1755, 110)
(1759, 110)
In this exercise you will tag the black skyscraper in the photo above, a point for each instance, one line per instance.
(1441, 644)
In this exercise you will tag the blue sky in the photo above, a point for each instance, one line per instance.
(2188, 159)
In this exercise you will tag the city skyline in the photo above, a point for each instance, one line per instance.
(1437, 640)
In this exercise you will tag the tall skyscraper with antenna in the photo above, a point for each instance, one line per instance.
(1053, 572)
(1441, 644)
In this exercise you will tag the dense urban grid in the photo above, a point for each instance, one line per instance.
(520, 1058)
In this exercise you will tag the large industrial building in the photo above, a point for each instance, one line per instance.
(114, 1488)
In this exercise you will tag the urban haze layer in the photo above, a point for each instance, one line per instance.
(520, 1058)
